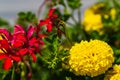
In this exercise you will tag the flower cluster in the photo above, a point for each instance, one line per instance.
(92, 21)
(90, 58)
(93, 17)
(53, 38)
(113, 74)
(14, 46)
(50, 20)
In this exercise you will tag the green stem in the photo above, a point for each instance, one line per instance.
(79, 23)
(69, 23)
(82, 33)
(79, 15)
(73, 18)
(23, 71)
(4, 76)
(13, 71)
(67, 37)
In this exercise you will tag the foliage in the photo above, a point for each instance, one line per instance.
(4, 23)
(50, 40)
(26, 18)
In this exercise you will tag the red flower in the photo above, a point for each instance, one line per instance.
(30, 44)
(7, 54)
(26, 40)
(9, 58)
(15, 46)
(49, 21)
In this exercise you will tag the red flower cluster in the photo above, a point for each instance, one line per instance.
(49, 22)
(15, 46)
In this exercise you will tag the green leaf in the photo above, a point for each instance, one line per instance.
(25, 18)
(21, 14)
(116, 3)
(74, 4)
(66, 14)
(117, 61)
(3, 22)
(62, 2)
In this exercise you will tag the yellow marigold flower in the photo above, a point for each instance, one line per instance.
(91, 20)
(115, 77)
(113, 13)
(113, 74)
(90, 58)
(117, 68)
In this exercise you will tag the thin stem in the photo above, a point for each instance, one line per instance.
(67, 37)
(70, 23)
(82, 32)
(81, 28)
(28, 65)
(40, 7)
(30, 70)
(13, 71)
(73, 18)
(4, 75)
(65, 33)
(79, 15)
(23, 71)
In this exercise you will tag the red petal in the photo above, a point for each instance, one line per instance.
(21, 37)
(6, 33)
(16, 58)
(19, 40)
(49, 27)
(4, 44)
(42, 35)
(32, 41)
(51, 11)
(2, 56)
(22, 51)
(7, 64)
(33, 56)
(42, 22)
(30, 32)
(18, 44)
(18, 29)
(54, 16)
(42, 42)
